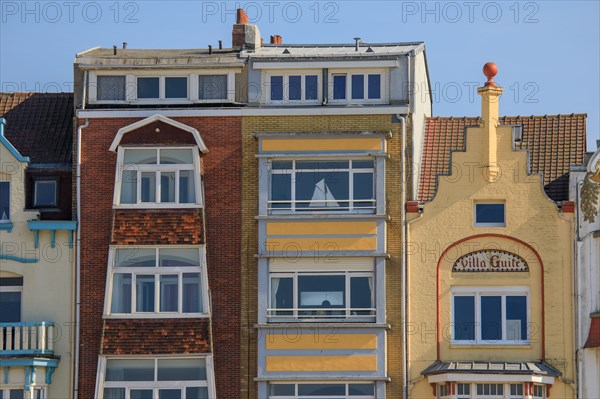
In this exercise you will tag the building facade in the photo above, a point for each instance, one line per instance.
(490, 278)
(37, 256)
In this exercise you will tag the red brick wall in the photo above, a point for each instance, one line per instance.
(222, 184)
(155, 337)
(158, 227)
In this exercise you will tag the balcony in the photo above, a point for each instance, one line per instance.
(27, 338)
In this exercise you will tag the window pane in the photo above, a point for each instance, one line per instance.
(213, 87)
(16, 394)
(276, 88)
(129, 370)
(147, 87)
(144, 293)
(281, 165)
(169, 394)
(192, 298)
(361, 295)
(361, 389)
(129, 187)
(178, 257)
(169, 288)
(149, 187)
(322, 389)
(358, 87)
(114, 393)
(334, 166)
(281, 190)
(177, 156)
(491, 318)
(321, 292)
(311, 83)
(362, 164)
(282, 294)
(181, 370)
(489, 213)
(187, 187)
(363, 189)
(374, 87)
(142, 157)
(167, 187)
(339, 87)
(282, 389)
(140, 394)
(111, 88)
(10, 304)
(121, 294)
(322, 190)
(176, 88)
(135, 257)
(45, 193)
(4, 201)
(464, 318)
(196, 393)
(516, 318)
(295, 88)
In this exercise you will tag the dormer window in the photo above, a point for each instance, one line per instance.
(294, 88)
(111, 88)
(212, 87)
(45, 194)
(148, 88)
(357, 86)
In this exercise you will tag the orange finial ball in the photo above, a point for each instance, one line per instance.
(490, 70)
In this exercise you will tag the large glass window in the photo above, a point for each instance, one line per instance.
(162, 378)
(110, 88)
(158, 176)
(294, 88)
(502, 390)
(363, 390)
(311, 295)
(322, 186)
(483, 316)
(212, 87)
(161, 280)
(4, 202)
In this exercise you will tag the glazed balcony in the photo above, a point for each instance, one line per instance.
(27, 338)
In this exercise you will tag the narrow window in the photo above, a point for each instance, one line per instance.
(339, 87)
(10, 299)
(4, 202)
(311, 87)
(374, 87)
(276, 88)
(110, 88)
(464, 318)
(295, 88)
(358, 87)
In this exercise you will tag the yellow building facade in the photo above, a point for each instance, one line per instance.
(490, 276)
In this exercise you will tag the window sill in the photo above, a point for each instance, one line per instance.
(132, 316)
(6, 226)
(159, 206)
(456, 345)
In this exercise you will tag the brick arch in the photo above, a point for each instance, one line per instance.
(488, 235)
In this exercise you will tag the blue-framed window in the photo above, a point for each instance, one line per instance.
(4, 202)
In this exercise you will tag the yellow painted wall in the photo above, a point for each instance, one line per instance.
(321, 363)
(530, 217)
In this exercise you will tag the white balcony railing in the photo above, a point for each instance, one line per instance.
(27, 338)
(322, 313)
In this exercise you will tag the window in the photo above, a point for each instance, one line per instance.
(12, 393)
(464, 391)
(165, 280)
(539, 391)
(294, 88)
(176, 87)
(490, 215)
(212, 87)
(490, 390)
(148, 87)
(45, 194)
(10, 299)
(4, 202)
(490, 316)
(111, 88)
(159, 378)
(322, 186)
(158, 177)
(358, 87)
(516, 391)
(319, 295)
(320, 391)
(443, 391)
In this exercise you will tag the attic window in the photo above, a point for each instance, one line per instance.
(111, 88)
(45, 194)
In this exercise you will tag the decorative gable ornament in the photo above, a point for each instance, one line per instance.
(490, 260)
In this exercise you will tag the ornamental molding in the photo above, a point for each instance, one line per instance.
(490, 260)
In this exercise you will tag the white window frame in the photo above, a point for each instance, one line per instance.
(505, 395)
(131, 85)
(488, 202)
(35, 192)
(9, 202)
(155, 385)
(157, 272)
(307, 211)
(286, 76)
(384, 89)
(158, 168)
(5, 390)
(346, 396)
(479, 292)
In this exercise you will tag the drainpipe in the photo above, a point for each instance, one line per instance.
(404, 251)
(78, 260)
(84, 90)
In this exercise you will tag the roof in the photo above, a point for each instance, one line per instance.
(522, 368)
(554, 143)
(158, 57)
(333, 50)
(39, 125)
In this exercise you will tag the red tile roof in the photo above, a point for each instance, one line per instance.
(554, 142)
(593, 340)
(39, 125)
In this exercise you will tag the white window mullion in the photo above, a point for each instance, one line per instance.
(138, 184)
(293, 192)
(478, 325)
(177, 186)
(133, 293)
(157, 293)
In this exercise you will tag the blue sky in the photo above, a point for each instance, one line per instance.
(548, 52)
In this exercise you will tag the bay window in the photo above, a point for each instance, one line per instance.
(156, 378)
(294, 88)
(156, 281)
(322, 390)
(158, 177)
(490, 315)
(490, 391)
(322, 186)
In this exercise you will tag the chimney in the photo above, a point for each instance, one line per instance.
(209, 49)
(124, 45)
(490, 97)
(276, 39)
(220, 44)
(115, 49)
(245, 34)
